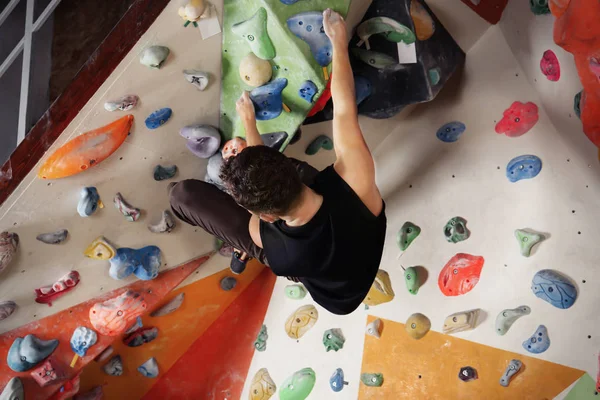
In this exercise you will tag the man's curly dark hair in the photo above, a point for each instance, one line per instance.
(262, 180)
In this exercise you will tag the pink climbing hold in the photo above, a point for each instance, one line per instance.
(518, 119)
(550, 66)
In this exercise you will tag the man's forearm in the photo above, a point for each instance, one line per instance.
(252, 136)
(342, 83)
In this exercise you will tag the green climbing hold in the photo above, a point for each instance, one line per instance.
(333, 339)
(434, 76)
(411, 277)
(372, 379)
(295, 292)
(539, 7)
(299, 385)
(577, 104)
(375, 59)
(321, 142)
(390, 29)
(456, 230)
(260, 344)
(254, 30)
(527, 240)
(407, 234)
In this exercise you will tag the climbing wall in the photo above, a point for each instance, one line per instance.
(428, 181)
(435, 162)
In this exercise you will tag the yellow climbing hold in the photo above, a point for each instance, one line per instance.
(417, 326)
(301, 321)
(424, 24)
(381, 291)
(100, 249)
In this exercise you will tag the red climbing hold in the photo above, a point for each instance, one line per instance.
(460, 274)
(518, 119)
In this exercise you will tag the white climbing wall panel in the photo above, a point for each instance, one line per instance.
(426, 181)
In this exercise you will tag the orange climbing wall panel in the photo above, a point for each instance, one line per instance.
(216, 365)
(61, 326)
(204, 302)
(437, 359)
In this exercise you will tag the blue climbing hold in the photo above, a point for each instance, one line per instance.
(523, 167)
(143, 263)
(336, 382)
(451, 131)
(308, 90)
(308, 26)
(26, 353)
(554, 287)
(538, 342)
(362, 88)
(289, 2)
(158, 118)
(267, 99)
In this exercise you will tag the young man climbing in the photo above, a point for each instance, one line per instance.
(325, 229)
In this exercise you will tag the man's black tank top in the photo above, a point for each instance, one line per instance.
(335, 255)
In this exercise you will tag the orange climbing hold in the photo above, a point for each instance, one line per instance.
(576, 30)
(86, 150)
(424, 25)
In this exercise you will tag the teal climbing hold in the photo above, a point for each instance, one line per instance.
(407, 234)
(321, 142)
(411, 277)
(577, 104)
(260, 344)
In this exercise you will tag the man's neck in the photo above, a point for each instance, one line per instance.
(306, 209)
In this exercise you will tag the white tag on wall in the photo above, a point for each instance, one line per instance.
(407, 53)
(209, 26)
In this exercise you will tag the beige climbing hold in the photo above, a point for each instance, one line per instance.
(254, 71)
(381, 291)
(301, 321)
(262, 387)
(374, 328)
(461, 321)
(417, 326)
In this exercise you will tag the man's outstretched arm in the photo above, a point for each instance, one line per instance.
(354, 162)
(245, 110)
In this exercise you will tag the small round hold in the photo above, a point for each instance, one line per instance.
(254, 71)
(228, 283)
(417, 326)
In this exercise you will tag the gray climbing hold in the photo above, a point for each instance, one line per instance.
(513, 367)
(53, 237)
(374, 328)
(166, 223)
(228, 283)
(114, 367)
(507, 317)
(162, 173)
